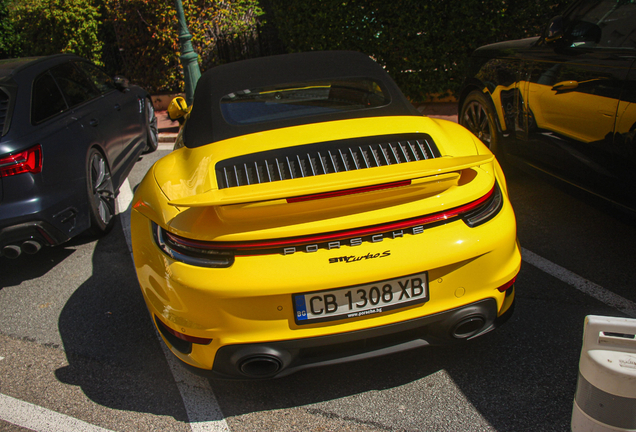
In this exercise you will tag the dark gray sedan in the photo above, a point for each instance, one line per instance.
(69, 136)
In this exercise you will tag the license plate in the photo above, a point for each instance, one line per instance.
(360, 300)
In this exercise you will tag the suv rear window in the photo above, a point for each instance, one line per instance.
(295, 100)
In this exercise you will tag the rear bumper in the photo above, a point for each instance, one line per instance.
(277, 359)
(28, 237)
(49, 221)
(246, 312)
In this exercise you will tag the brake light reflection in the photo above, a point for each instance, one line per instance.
(348, 191)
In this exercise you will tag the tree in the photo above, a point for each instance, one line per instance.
(8, 36)
(147, 35)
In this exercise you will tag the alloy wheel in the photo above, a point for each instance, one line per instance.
(476, 120)
(103, 192)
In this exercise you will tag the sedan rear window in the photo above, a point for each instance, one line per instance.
(295, 100)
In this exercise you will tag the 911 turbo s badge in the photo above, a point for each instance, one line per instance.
(353, 258)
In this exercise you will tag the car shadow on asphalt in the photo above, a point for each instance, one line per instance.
(110, 344)
(520, 377)
(29, 267)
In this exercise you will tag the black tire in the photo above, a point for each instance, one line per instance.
(152, 138)
(478, 116)
(101, 193)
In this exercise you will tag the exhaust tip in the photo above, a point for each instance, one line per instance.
(260, 366)
(31, 247)
(468, 327)
(11, 251)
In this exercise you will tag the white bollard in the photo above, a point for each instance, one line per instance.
(605, 397)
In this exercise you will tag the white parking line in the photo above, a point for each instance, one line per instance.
(627, 307)
(40, 419)
(204, 413)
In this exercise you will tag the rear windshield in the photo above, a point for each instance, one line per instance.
(295, 100)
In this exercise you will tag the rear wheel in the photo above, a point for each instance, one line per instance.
(152, 139)
(101, 193)
(478, 116)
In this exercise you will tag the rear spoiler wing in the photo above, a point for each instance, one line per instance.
(417, 172)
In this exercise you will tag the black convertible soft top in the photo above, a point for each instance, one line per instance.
(209, 122)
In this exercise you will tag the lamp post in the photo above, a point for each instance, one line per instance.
(189, 59)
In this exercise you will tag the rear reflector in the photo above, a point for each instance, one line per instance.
(505, 287)
(191, 339)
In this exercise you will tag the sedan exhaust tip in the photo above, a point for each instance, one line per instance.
(11, 251)
(31, 247)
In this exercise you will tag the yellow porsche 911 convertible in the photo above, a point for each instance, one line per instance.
(310, 215)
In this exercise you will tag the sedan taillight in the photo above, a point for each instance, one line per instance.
(27, 161)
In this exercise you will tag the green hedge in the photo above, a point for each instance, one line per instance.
(423, 44)
(136, 38)
(8, 38)
(41, 27)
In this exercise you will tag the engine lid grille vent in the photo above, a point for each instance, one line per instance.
(324, 158)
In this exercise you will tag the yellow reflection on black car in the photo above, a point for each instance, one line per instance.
(563, 103)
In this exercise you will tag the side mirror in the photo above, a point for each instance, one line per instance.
(555, 30)
(121, 83)
(586, 33)
(178, 108)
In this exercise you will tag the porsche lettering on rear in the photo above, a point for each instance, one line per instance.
(358, 241)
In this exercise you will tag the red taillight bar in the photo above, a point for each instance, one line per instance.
(28, 161)
(321, 238)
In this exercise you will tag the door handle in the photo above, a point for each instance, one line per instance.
(118, 107)
(565, 85)
(93, 122)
